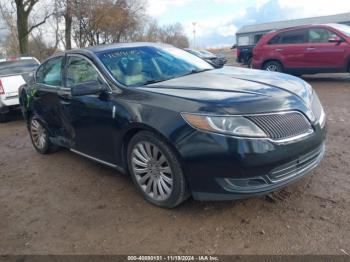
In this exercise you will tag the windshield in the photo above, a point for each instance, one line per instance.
(144, 65)
(342, 28)
(17, 66)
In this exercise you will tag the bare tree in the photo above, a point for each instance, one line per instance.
(11, 40)
(174, 34)
(106, 21)
(63, 9)
(171, 34)
(23, 10)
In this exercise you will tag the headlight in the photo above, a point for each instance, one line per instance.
(230, 125)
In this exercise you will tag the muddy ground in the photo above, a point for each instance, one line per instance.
(65, 204)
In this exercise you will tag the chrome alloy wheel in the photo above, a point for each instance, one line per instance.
(152, 170)
(38, 134)
(272, 68)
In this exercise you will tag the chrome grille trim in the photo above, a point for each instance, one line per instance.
(294, 167)
(281, 175)
(283, 126)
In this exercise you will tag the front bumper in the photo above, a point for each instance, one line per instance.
(256, 64)
(261, 185)
(226, 168)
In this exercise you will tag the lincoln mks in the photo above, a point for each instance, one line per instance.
(177, 125)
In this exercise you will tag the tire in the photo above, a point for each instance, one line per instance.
(39, 136)
(147, 155)
(3, 117)
(249, 64)
(273, 66)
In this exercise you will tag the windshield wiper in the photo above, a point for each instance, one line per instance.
(153, 81)
(196, 71)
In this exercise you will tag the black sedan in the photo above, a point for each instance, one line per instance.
(214, 60)
(178, 126)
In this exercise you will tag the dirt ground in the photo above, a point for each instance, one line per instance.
(65, 204)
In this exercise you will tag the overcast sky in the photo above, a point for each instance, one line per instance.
(218, 20)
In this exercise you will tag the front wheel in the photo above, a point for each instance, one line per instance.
(156, 170)
(273, 66)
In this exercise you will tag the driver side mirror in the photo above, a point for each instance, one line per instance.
(88, 88)
(335, 39)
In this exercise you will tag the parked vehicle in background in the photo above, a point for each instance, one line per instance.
(14, 72)
(244, 46)
(305, 49)
(176, 124)
(214, 60)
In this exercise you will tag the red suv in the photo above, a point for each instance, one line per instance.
(305, 50)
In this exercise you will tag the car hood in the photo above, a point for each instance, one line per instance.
(234, 90)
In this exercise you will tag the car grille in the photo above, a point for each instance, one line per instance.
(281, 126)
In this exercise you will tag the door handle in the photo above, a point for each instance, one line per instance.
(65, 99)
(310, 48)
(279, 49)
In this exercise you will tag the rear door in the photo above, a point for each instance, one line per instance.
(45, 98)
(320, 53)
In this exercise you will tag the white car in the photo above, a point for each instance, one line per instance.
(14, 72)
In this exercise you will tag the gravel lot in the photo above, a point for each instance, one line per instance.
(65, 204)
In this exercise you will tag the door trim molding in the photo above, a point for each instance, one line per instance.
(119, 168)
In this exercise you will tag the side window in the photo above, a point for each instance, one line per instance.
(257, 38)
(80, 71)
(275, 40)
(50, 72)
(294, 37)
(320, 35)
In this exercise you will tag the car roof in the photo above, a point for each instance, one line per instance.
(102, 48)
(303, 27)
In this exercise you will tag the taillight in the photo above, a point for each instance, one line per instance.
(12, 58)
(238, 51)
(1, 88)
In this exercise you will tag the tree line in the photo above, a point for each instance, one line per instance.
(81, 23)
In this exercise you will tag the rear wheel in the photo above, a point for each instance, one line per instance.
(273, 66)
(249, 64)
(156, 170)
(39, 136)
(3, 117)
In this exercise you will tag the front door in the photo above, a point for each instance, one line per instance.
(91, 117)
(320, 53)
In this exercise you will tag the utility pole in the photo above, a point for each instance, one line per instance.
(194, 34)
